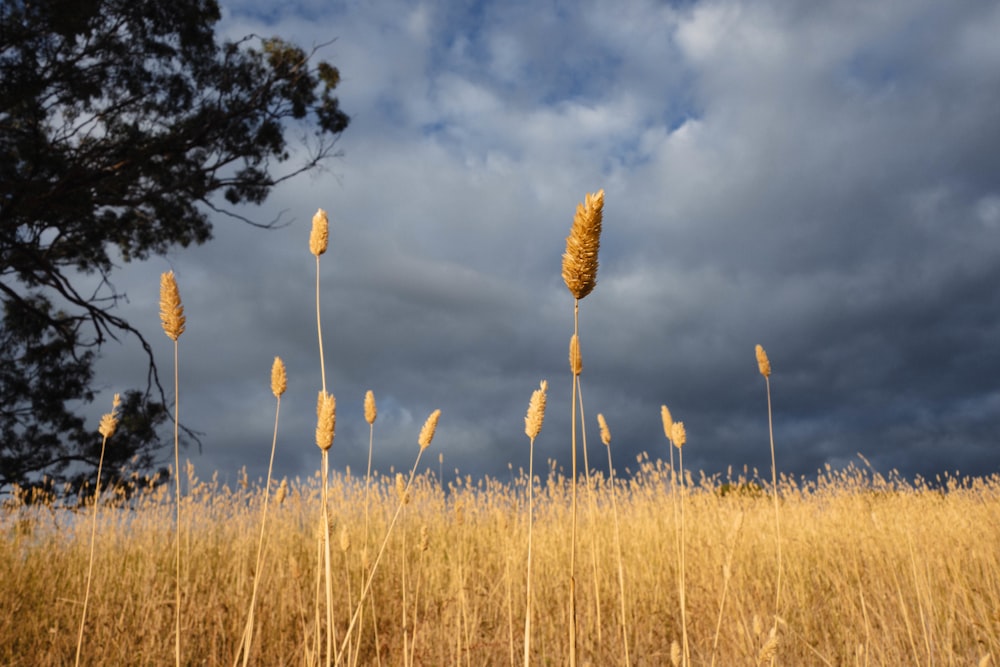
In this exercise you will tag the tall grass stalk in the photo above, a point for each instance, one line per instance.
(678, 436)
(764, 366)
(319, 238)
(371, 414)
(279, 383)
(173, 321)
(533, 421)
(109, 422)
(579, 272)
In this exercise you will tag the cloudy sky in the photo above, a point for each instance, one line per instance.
(819, 178)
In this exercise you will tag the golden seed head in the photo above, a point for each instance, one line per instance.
(370, 411)
(109, 421)
(763, 364)
(279, 379)
(326, 421)
(668, 422)
(579, 267)
(171, 310)
(536, 411)
(575, 359)
(605, 432)
(345, 539)
(319, 237)
(427, 432)
(282, 492)
(424, 538)
(675, 653)
(678, 435)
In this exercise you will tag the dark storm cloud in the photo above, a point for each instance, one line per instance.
(819, 180)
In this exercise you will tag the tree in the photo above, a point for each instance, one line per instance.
(121, 124)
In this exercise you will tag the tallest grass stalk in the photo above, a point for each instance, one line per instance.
(579, 272)
(172, 318)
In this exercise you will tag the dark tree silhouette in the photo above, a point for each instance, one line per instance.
(122, 125)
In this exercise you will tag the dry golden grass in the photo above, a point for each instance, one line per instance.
(579, 272)
(870, 571)
(894, 572)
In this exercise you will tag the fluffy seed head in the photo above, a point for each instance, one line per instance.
(345, 539)
(171, 310)
(319, 237)
(536, 411)
(605, 432)
(370, 411)
(763, 364)
(668, 422)
(678, 435)
(575, 359)
(326, 421)
(279, 379)
(424, 538)
(282, 492)
(427, 432)
(109, 421)
(579, 267)
(675, 653)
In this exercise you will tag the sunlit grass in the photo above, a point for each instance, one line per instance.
(861, 570)
(878, 572)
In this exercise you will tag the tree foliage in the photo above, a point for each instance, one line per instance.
(122, 125)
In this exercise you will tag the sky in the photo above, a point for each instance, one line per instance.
(822, 179)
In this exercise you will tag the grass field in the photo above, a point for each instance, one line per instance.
(651, 567)
(876, 572)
